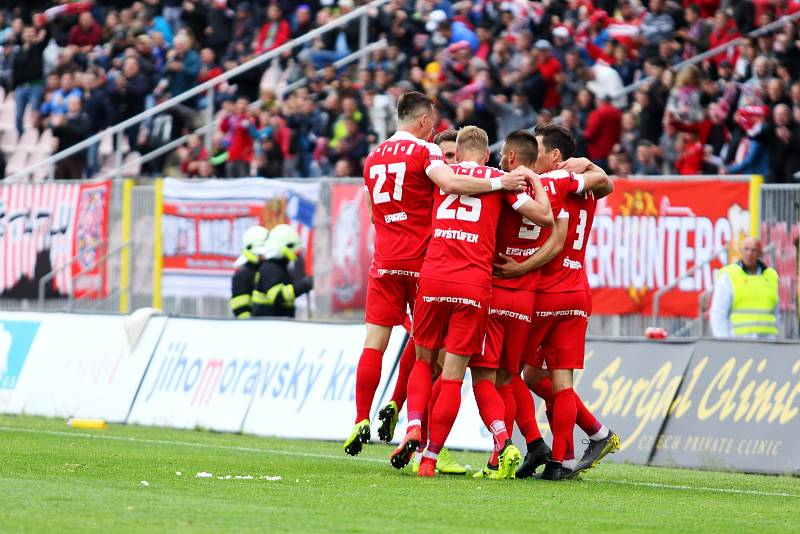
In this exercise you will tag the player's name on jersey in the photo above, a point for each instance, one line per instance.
(395, 217)
(572, 264)
(513, 251)
(458, 235)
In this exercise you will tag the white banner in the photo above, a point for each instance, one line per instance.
(203, 223)
(281, 378)
(68, 365)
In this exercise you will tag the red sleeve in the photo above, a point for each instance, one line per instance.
(72, 35)
(284, 32)
(549, 69)
(262, 34)
(591, 126)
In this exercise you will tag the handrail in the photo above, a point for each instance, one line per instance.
(669, 287)
(102, 259)
(691, 61)
(175, 143)
(199, 89)
(55, 272)
(672, 285)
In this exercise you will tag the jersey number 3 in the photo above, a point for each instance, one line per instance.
(379, 173)
(580, 230)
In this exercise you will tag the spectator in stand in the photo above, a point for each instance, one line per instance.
(784, 140)
(128, 91)
(55, 105)
(219, 30)
(690, 160)
(97, 105)
(353, 147)
(27, 74)
(343, 169)
(684, 99)
(697, 35)
(657, 26)
(750, 156)
(183, 66)
(646, 162)
(84, 36)
(70, 129)
(603, 131)
(550, 70)
(236, 126)
(274, 32)
(192, 156)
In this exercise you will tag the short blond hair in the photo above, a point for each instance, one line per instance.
(472, 139)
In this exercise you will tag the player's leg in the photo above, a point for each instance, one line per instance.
(389, 414)
(445, 410)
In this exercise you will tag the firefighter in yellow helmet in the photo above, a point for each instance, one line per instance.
(246, 276)
(276, 289)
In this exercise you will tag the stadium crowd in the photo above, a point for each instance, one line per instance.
(80, 66)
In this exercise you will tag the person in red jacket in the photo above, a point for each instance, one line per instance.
(690, 159)
(236, 127)
(549, 68)
(707, 7)
(86, 34)
(603, 131)
(724, 31)
(274, 32)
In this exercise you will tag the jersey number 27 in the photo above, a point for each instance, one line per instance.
(379, 173)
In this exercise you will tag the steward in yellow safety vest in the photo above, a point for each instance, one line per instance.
(746, 297)
(276, 290)
(245, 278)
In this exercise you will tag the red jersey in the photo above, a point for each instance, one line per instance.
(565, 272)
(396, 178)
(464, 230)
(519, 238)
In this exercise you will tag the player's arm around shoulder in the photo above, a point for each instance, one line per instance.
(589, 177)
(536, 209)
(461, 184)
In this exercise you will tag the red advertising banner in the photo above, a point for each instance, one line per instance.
(648, 233)
(351, 247)
(42, 228)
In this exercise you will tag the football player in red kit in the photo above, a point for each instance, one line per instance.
(399, 176)
(563, 306)
(452, 304)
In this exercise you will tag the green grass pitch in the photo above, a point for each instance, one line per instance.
(56, 479)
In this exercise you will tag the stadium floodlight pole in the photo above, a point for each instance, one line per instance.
(198, 89)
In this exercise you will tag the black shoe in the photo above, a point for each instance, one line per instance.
(388, 419)
(538, 454)
(597, 450)
(555, 471)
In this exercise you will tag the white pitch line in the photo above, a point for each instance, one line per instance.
(197, 445)
(695, 488)
(187, 444)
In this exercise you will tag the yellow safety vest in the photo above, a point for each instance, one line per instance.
(754, 299)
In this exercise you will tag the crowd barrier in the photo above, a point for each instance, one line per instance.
(712, 404)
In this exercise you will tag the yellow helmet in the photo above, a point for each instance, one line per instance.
(254, 242)
(283, 242)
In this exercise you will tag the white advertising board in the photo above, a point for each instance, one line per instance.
(282, 378)
(68, 365)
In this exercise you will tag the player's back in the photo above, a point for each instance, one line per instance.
(464, 231)
(395, 175)
(566, 271)
(519, 238)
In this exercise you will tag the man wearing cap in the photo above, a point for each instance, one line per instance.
(745, 303)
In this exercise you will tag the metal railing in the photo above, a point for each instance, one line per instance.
(208, 128)
(102, 260)
(207, 87)
(628, 89)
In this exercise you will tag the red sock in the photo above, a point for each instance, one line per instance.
(492, 411)
(419, 392)
(586, 419)
(407, 360)
(544, 390)
(368, 376)
(526, 410)
(510, 404)
(435, 391)
(444, 413)
(564, 413)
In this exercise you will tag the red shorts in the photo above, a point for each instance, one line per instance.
(507, 332)
(388, 299)
(558, 330)
(451, 315)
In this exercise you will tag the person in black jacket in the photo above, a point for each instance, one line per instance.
(27, 73)
(246, 276)
(128, 92)
(97, 105)
(277, 289)
(71, 129)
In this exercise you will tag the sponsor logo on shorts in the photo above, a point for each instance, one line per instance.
(453, 300)
(572, 264)
(397, 272)
(562, 313)
(458, 235)
(395, 217)
(512, 251)
(511, 314)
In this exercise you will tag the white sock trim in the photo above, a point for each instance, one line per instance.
(569, 464)
(414, 422)
(601, 434)
(431, 455)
